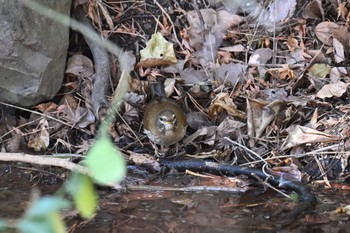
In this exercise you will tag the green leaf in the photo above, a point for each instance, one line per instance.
(3, 226)
(58, 224)
(84, 195)
(51, 223)
(46, 205)
(105, 163)
(43, 217)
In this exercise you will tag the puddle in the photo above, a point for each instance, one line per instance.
(169, 211)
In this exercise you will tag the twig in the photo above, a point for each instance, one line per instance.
(247, 149)
(48, 161)
(319, 151)
(270, 186)
(43, 160)
(186, 189)
(38, 113)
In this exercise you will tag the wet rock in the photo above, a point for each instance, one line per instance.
(33, 52)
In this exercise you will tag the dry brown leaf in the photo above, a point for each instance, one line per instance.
(13, 144)
(314, 10)
(224, 57)
(334, 89)
(230, 74)
(91, 12)
(279, 11)
(292, 44)
(302, 135)
(261, 114)
(205, 39)
(229, 128)
(192, 76)
(334, 75)
(46, 107)
(195, 33)
(41, 140)
(223, 181)
(144, 161)
(324, 32)
(234, 49)
(223, 102)
(343, 36)
(174, 68)
(339, 55)
(317, 55)
(204, 133)
(272, 94)
(342, 10)
(169, 86)
(68, 101)
(284, 73)
(80, 66)
(260, 56)
(297, 56)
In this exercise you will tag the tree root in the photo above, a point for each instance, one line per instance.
(306, 197)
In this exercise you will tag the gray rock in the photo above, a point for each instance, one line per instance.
(33, 52)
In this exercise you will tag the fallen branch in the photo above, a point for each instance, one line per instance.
(43, 160)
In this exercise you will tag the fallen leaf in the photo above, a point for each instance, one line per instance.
(223, 102)
(46, 107)
(334, 89)
(260, 56)
(324, 32)
(229, 128)
(40, 141)
(235, 48)
(260, 114)
(320, 70)
(313, 10)
(205, 39)
(192, 76)
(339, 55)
(292, 44)
(302, 135)
(283, 73)
(230, 74)
(343, 36)
(278, 11)
(204, 132)
(144, 160)
(158, 52)
(80, 66)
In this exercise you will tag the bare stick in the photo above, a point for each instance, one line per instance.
(43, 160)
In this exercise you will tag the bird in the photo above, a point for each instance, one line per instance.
(164, 121)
